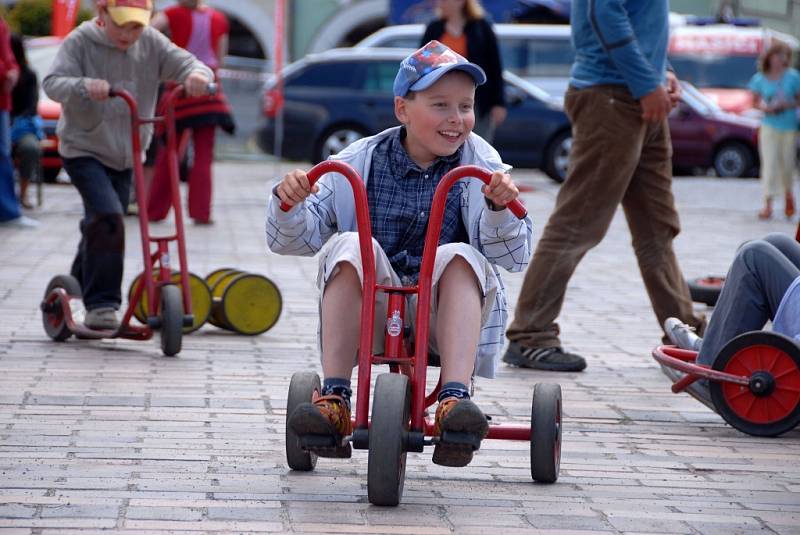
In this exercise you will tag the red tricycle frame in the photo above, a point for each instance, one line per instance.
(397, 353)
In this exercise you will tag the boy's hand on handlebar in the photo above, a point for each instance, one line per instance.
(97, 89)
(294, 187)
(196, 84)
(501, 189)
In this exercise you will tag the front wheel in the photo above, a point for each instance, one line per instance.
(733, 160)
(171, 320)
(55, 325)
(770, 404)
(301, 390)
(546, 432)
(388, 433)
(557, 156)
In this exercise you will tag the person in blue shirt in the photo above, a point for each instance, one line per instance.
(776, 88)
(762, 284)
(618, 101)
(435, 103)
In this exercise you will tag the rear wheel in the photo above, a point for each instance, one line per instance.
(733, 160)
(388, 432)
(557, 156)
(546, 432)
(171, 320)
(55, 325)
(770, 404)
(301, 390)
(706, 289)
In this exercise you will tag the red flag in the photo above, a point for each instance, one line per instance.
(65, 13)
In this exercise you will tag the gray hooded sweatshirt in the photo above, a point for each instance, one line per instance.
(101, 130)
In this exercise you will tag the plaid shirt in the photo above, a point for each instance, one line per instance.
(400, 196)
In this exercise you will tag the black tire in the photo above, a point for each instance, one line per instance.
(388, 432)
(557, 156)
(171, 320)
(546, 432)
(706, 289)
(766, 357)
(301, 389)
(53, 318)
(733, 159)
(334, 139)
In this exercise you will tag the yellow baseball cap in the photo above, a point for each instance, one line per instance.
(125, 11)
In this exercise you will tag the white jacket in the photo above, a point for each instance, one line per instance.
(502, 238)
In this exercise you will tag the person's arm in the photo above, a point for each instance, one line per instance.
(612, 26)
(222, 43)
(177, 64)
(160, 22)
(431, 32)
(66, 80)
(494, 73)
(305, 228)
(10, 70)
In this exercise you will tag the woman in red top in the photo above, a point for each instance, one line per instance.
(203, 31)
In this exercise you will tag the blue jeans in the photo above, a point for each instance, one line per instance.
(9, 205)
(101, 252)
(757, 280)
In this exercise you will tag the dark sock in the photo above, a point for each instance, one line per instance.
(454, 389)
(338, 387)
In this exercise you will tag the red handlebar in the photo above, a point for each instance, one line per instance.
(314, 174)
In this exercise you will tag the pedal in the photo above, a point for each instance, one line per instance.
(326, 446)
(461, 440)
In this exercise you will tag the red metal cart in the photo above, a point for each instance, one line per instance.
(399, 423)
(754, 382)
(168, 306)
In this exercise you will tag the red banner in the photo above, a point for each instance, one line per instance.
(65, 13)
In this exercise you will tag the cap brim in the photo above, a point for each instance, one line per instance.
(124, 15)
(428, 80)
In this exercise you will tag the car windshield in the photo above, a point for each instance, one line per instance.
(539, 57)
(726, 72)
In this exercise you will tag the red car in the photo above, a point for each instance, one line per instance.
(704, 136)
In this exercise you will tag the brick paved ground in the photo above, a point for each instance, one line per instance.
(111, 435)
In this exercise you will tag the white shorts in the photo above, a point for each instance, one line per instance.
(344, 248)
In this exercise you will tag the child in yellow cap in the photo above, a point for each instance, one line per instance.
(116, 49)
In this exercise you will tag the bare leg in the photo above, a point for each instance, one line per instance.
(458, 323)
(341, 322)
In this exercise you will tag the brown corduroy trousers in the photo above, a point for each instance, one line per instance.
(616, 157)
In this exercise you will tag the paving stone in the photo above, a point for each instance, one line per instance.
(110, 435)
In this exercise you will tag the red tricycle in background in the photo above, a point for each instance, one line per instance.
(754, 381)
(167, 307)
(399, 423)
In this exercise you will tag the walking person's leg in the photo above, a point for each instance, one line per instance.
(200, 183)
(653, 220)
(788, 150)
(99, 261)
(768, 152)
(605, 151)
(9, 207)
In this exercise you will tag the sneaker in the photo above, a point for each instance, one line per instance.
(682, 335)
(543, 358)
(102, 319)
(699, 389)
(21, 222)
(325, 416)
(461, 426)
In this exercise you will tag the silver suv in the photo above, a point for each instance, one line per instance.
(539, 53)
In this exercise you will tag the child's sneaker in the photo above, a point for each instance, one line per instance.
(682, 335)
(327, 416)
(102, 319)
(460, 426)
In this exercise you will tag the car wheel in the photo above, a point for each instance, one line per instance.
(733, 160)
(335, 139)
(557, 156)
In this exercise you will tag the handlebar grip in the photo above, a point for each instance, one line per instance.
(212, 88)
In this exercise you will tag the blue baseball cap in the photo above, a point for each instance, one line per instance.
(424, 67)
